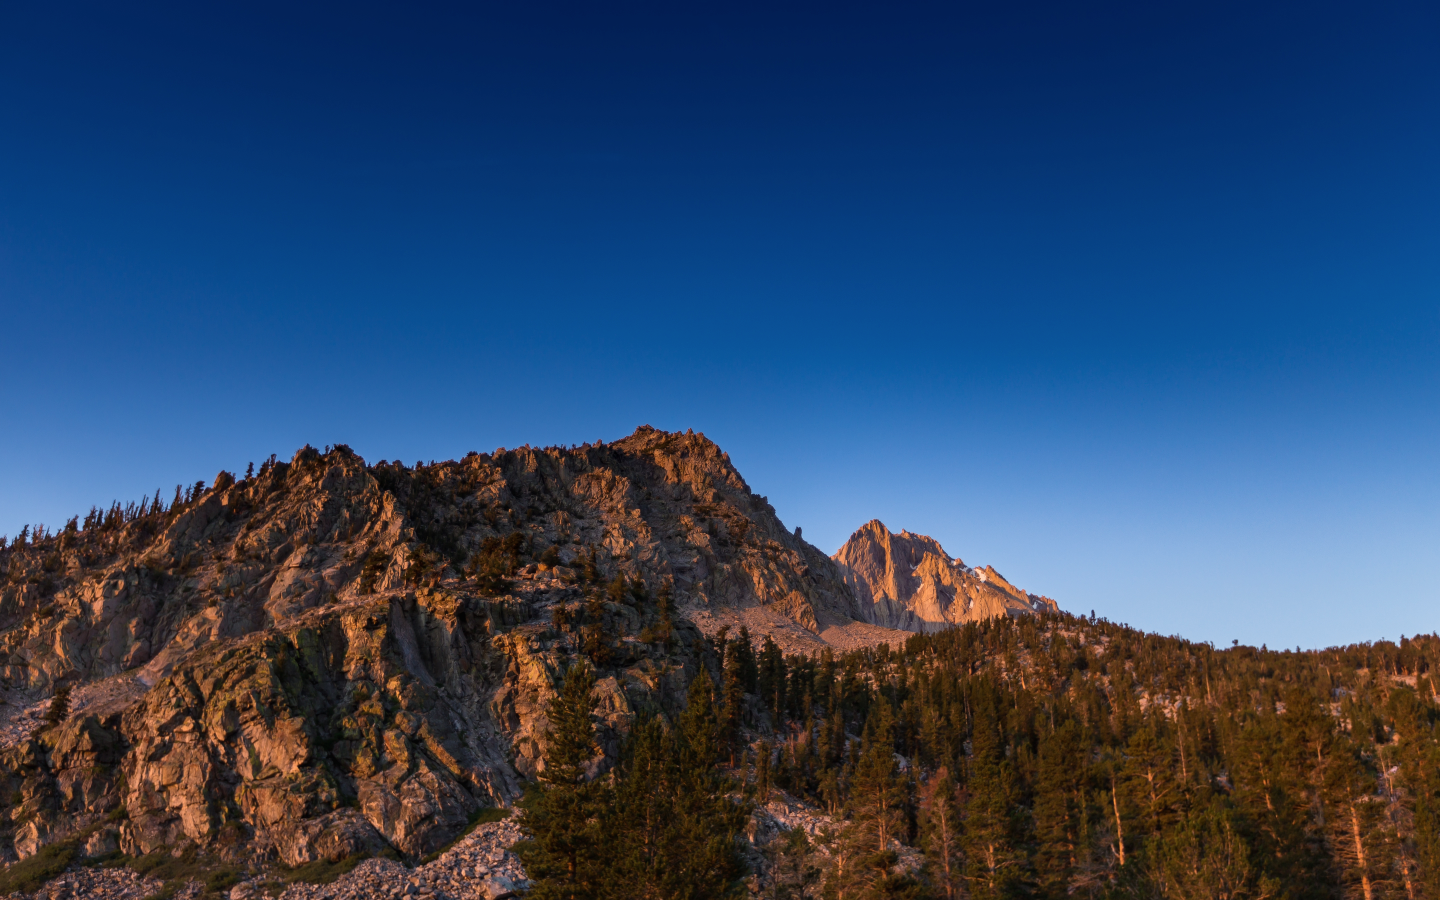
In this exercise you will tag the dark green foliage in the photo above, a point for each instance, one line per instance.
(699, 727)
(877, 788)
(496, 562)
(763, 754)
(662, 825)
(618, 590)
(733, 707)
(877, 810)
(675, 820)
(423, 562)
(177, 871)
(564, 813)
(940, 836)
(662, 629)
(994, 821)
(745, 659)
(770, 678)
(59, 706)
(1059, 809)
(1206, 857)
(222, 880)
(792, 871)
(571, 737)
(560, 616)
(28, 874)
(589, 570)
(370, 571)
(595, 639)
(323, 871)
(1063, 757)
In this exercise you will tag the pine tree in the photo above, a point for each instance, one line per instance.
(993, 864)
(698, 725)
(791, 873)
(617, 590)
(748, 668)
(637, 822)
(563, 858)
(671, 825)
(1059, 808)
(770, 680)
(59, 706)
(877, 788)
(589, 570)
(878, 799)
(1147, 777)
(703, 858)
(1205, 857)
(732, 714)
(762, 773)
(1412, 789)
(940, 836)
(1352, 816)
(1270, 787)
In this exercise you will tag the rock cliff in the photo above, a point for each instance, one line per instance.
(912, 584)
(331, 658)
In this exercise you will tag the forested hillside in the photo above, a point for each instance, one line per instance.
(1038, 757)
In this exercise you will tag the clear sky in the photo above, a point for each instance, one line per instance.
(1139, 303)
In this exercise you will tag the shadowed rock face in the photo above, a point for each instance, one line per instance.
(912, 584)
(316, 661)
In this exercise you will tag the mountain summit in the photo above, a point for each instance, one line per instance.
(908, 582)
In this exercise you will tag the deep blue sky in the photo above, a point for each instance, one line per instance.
(1138, 303)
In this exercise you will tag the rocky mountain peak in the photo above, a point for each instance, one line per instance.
(357, 656)
(909, 582)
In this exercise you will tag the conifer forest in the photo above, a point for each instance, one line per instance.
(1046, 757)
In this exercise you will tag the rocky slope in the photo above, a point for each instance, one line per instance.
(329, 659)
(332, 658)
(912, 584)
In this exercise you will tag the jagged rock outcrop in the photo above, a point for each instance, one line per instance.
(331, 658)
(914, 585)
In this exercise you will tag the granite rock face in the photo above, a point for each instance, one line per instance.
(912, 584)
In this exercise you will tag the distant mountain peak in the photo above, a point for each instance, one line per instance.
(911, 583)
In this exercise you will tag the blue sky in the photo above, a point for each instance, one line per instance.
(1139, 303)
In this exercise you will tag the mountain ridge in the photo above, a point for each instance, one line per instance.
(914, 585)
(329, 660)
(327, 657)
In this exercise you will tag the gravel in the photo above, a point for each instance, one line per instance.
(96, 884)
(479, 867)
